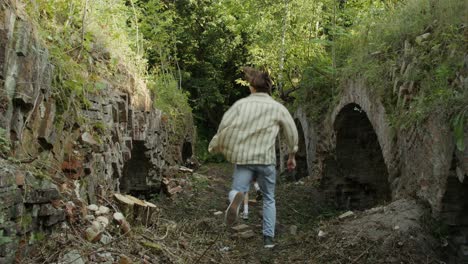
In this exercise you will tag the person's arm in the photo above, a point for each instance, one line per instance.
(291, 136)
(227, 119)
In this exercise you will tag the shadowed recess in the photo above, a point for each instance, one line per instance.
(454, 215)
(360, 179)
(186, 151)
(136, 169)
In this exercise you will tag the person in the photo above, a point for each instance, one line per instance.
(246, 136)
(258, 197)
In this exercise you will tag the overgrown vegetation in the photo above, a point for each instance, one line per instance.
(409, 52)
(412, 56)
(87, 41)
(94, 45)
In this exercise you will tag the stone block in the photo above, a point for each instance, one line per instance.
(95, 104)
(73, 168)
(47, 210)
(22, 36)
(94, 115)
(57, 217)
(41, 196)
(123, 111)
(3, 51)
(116, 134)
(115, 113)
(10, 198)
(17, 210)
(8, 250)
(16, 125)
(20, 178)
(46, 133)
(6, 179)
(24, 93)
(108, 116)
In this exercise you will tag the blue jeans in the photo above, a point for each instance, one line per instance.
(266, 179)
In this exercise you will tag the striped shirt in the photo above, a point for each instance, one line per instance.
(248, 130)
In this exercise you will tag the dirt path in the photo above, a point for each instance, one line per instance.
(385, 234)
(209, 240)
(189, 229)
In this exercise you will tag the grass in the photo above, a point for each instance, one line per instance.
(382, 44)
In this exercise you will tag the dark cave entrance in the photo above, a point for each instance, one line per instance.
(454, 216)
(357, 178)
(136, 170)
(186, 151)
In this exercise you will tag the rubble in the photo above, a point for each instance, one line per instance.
(72, 257)
(293, 230)
(93, 207)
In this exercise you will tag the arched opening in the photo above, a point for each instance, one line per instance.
(186, 151)
(136, 170)
(301, 155)
(357, 178)
(454, 215)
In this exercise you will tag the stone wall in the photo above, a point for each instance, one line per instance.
(309, 138)
(67, 151)
(418, 158)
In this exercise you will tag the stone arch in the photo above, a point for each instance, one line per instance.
(305, 156)
(357, 93)
(309, 137)
(361, 178)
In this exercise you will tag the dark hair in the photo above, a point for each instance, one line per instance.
(259, 80)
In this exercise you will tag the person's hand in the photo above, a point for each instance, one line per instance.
(291, 162)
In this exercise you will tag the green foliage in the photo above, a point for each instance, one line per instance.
(86, 40)
(100, 128)
(203, 155)
(458, 128)
(427, 38)
(36, 237)
(168, 97)
(199, 182)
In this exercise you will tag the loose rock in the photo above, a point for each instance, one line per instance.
(103, 220)
(240, 228)
(246, 234)
(72, 257)
(321, 234)
(346, 215)
(103, 210)
(93, 207)
(293, 230)
(92, 235)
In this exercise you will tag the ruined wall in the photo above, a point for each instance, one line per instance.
(418, 159)
(309, 137)
(69, 154)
